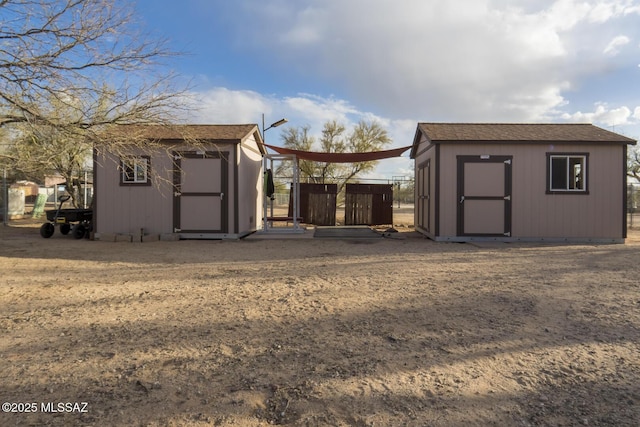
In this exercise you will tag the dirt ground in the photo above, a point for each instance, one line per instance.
(317, 332)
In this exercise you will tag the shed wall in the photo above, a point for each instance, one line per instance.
(536, 214)
(427, 153)
(128, 209)
(250, 186)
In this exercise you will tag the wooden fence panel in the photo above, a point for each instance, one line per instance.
(369, 204)
(322, 209)
(358, 209)
(317, 203)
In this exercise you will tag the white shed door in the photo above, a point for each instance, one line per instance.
(200, 181)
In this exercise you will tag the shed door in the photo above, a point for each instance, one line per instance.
(200, 202)
(424, 196)
(484, 196)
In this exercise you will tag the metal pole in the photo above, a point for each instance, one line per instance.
(632, 206)
(264, 194)
(296, 192)
(84, 200)
(5, 198)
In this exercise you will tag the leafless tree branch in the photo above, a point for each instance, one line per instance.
(86, 54)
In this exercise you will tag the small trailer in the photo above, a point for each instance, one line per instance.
(76, 221)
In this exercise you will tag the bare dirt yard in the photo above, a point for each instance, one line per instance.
(317, 332)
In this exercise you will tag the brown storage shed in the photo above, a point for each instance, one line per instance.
(197, 182)
(520, 182)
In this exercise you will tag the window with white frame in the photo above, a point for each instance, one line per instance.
(567, 173)
(135, 170)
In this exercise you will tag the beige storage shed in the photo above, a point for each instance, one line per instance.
(520, 182)
(193, 182)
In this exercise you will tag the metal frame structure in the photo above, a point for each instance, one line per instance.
(267, 220)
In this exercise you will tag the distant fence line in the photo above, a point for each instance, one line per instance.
(4, 195)
(633, 205)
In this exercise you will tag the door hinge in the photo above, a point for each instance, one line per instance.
(507, 234)
(177, 157)
(507, 162)
(177, 230)
(507, 197)
(177, 194)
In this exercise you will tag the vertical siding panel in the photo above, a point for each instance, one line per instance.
(127, 209)
(448, 180)
(427, 205)
(535, 213)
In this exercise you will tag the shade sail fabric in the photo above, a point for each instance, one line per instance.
(340, 157)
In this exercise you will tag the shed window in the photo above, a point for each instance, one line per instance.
(135, 170)
(567, 173)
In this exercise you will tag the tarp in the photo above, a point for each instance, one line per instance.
(340, 157)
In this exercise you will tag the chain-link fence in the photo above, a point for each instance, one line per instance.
(633, 206)
(3, 197)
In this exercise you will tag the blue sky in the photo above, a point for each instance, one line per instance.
(405, 61)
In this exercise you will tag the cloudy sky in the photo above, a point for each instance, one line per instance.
(406, 61)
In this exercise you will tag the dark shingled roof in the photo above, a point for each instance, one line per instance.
(516, 133)
(505, 132)
(229, 133)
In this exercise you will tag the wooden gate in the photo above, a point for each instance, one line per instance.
(368, 204)
(317, 203)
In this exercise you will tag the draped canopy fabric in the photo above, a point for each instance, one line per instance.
(340, 157)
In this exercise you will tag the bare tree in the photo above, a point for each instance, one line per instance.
(298, 138)
(51, 150)
(364, 137)
(86, 58)
(633, 162)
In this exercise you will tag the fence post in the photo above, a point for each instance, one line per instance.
(632, 205)
(5, 198)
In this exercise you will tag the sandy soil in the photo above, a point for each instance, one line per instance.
(318, 332)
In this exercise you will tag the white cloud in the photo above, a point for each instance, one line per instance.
(441, 60)
(604, 115)
(507, 60)
(613, 48)
(222, 105)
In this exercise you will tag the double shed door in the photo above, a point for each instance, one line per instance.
(484, 196)
(200, 201)
(423, 204)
